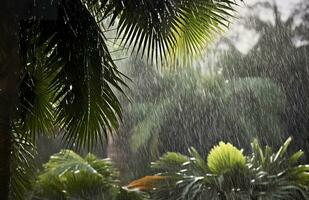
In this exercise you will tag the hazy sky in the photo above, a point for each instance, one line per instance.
(285, 6)
(249, 38)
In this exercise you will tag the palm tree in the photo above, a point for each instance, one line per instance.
(57, 71)
(227, 174)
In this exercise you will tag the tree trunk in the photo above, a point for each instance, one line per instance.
(5, 147)
(9, 74)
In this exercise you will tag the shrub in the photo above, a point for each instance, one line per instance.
(262, 175)
(68, 176)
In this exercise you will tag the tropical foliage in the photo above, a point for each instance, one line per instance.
(64, 82)
(174, 111)
(69, 176)
(66, 74)
(225, 157)
(227, 174)
(280, 55)
(77, 75)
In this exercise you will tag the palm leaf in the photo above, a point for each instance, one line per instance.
(225, 157)
(228, 175)
(23, 167)
(160, 29)
(73, 86)
(35, 112)
(68, 175)
(278, 176)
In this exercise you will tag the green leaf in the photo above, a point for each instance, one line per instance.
(225, 157)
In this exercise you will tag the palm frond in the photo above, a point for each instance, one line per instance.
(264, 175)
(170, 162)
(23, 167)
(146, 129)
(68, 175)
(165, 29)
(279, 175)
(35, 112)
(75, 87)
(83, 84)
(225, 157)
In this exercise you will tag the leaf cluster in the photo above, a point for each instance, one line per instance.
(69, 176)
(262, 175)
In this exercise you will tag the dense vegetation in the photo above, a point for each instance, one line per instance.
(277, 56)
(188, 109)
(262, 94)
(57, 71)
(217, 132)
(68, 176)
(225, 174)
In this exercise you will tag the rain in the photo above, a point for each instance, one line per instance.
(178, 101)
